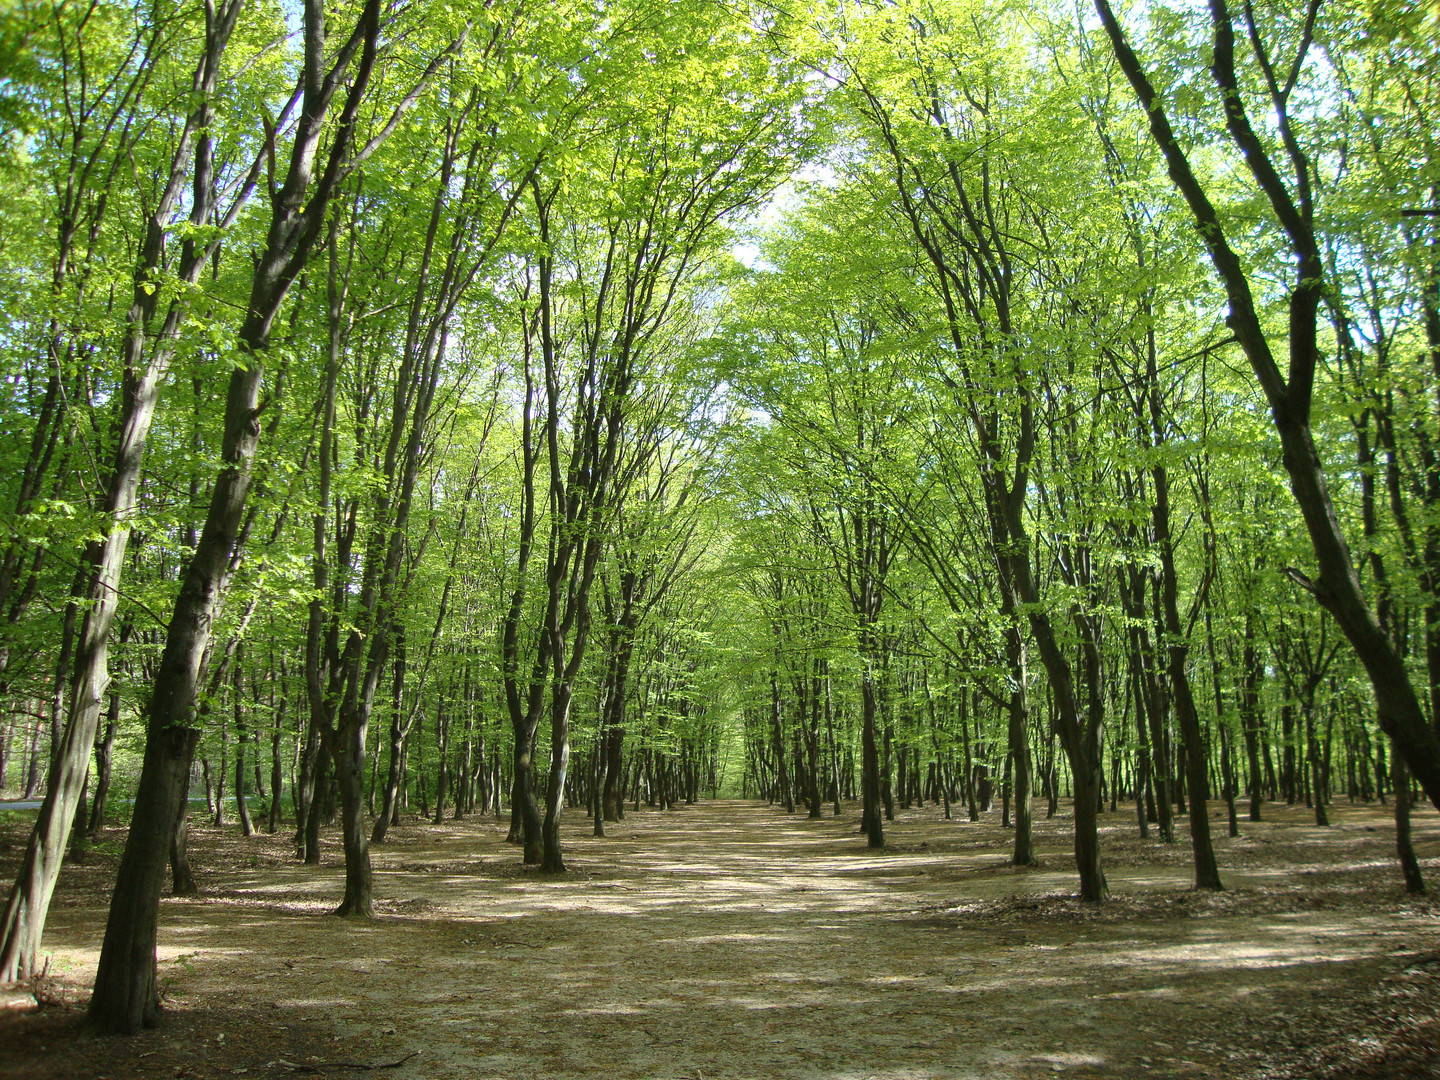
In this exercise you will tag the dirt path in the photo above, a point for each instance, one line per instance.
(728, 941)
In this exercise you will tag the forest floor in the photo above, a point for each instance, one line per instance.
(730, 941)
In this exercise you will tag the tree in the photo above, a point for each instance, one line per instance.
(125, 995)
(929, 118)
(1280, 66)
(98, 591)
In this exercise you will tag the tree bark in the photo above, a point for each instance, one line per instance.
(1409, 864)
(349, 758)
(552, 861)
(1019, 742)
(182, 878)
(242, 808)
(104, 766)
(872, 823)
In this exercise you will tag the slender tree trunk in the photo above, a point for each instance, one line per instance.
(276, 731)
(1409, 864)
(1316, 762)
(304, 788)
(814, 797)
(241, 806)
(1142, 749)
(1251, 718)
(104, 766)
(871, 822)
(551, 861)
(319, 790)
(1207, 871)
(784, 789)
(887, 731)
(442, 756)
(1227, 781)
(1019, 740)
(399, 732)
(1288, 782)
(220, 768)
(349, 758)
(182, 878)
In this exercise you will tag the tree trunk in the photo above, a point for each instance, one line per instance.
(871, 823)
(1017, 735)
(612, 799)
(551, 860)
(182, 878)
(525, 820)
(1019, 740)
(241, 806)
(273, 825)
(126, 997)
(1409, 865)
(814, 797)
(349, 757)
(1250, 717)
(1289, 395)
(1315, 761)
(399, 732)
(1207, 872)
(104, 766)
(320, 787)
(442, 756)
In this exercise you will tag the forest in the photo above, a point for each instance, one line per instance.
(881, 418)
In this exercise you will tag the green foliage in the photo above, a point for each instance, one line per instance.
(814, 422)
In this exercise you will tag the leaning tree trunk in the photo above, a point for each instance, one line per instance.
(1409, 864)
(125, 996)
(99, 584)
(1289, 393)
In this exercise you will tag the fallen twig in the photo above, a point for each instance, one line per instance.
(317, 1066)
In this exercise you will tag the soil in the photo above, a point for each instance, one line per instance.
(731, 941)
